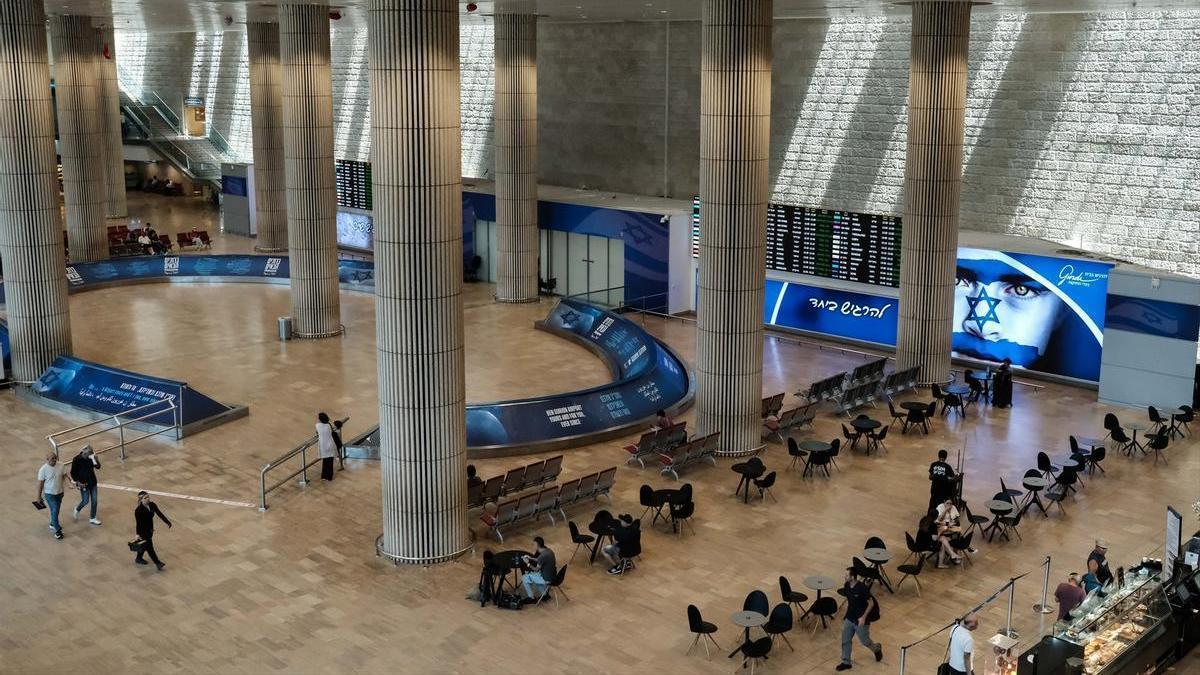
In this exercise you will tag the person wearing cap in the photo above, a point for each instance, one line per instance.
(83, 472)
(1069, 594)
(143, 516)
(1103, 575)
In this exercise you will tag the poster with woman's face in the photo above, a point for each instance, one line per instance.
(1043, 313)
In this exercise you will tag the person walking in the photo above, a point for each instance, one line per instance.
(83, 472)
(961, 651)
(326, 446)
(143, 516)
(50, 490)
(861, 610)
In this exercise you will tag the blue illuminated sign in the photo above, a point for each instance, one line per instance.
(1153, 317)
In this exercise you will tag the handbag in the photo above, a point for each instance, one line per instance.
(137, 545)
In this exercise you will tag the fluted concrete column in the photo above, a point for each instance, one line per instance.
(266, 122)
(516, 158)
(416, 177)
(80, 135)
(308, 162)
(735, 121)
(110, 124)
(31, 249)
(937, 96)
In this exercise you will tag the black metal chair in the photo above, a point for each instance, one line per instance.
(1158, 442)
(953, 402)
(1066, 479)
(1182, 423)
(1124, 442)
(1111, 423)
(1057, 495)
(795, 452)
(792, 597)
(764, 486)
(850, 436)
(913, 418)
(1157, 421)
(1094, 459)
(702, 629)
(1045, 466)
(1009, 523)
(584, 540)
(755, 652)
(824, 608)
(913, 571)
(780, 623)
(556, 583)
(647, 498)
(878, 437)
(756, 601)
(835, 448)
(682, 513)
(896, 416)
(976, 521)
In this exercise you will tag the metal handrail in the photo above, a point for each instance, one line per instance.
(166, 112)
(122, 420)
(219, 141)
(301, 450)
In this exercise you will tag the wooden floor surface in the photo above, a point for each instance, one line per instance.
(298, 589)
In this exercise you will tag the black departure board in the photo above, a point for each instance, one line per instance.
(353, 184)
(844, 245)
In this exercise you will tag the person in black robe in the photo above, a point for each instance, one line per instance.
(1002, 386)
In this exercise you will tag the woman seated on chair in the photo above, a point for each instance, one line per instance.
(933, 536)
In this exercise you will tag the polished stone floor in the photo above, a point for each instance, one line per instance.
(298, 588)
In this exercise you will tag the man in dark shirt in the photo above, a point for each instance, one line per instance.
(542, 568)
(143, 515)
(627, 543)
(1103, 574)
(861, 610)
(1069, 594)
(83, 472)
(472, 478)
(941, 481)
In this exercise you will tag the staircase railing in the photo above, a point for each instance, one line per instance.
(305, 463)
(119, 422)
(171, 150)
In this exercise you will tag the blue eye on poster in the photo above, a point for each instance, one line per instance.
(1043, 313)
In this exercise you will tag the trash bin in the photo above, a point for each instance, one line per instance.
(285, 328)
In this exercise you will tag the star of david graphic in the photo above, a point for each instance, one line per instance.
(569, 317)
(989, 315)
(637, 233)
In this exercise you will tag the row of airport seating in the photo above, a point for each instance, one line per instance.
(789, 420)
(529, 508)
(517, 480)
(691, 452)
(656, 442)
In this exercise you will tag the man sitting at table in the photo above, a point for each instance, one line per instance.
(662, 421)
(541, 568)
(627, 537)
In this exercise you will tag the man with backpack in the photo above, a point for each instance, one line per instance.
(862, 609)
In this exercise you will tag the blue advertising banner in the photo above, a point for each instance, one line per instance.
(1043, 313)
(355, 230)
(110, 391)
(233, 185)
(1153, 317)
(649, 376)
(845, 314)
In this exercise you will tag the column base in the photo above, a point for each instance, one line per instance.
(741, 453)
(341, 330)
(399, 560)
(516, 301)
(266, 249)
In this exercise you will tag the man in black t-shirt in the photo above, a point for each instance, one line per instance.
(861, 610)
(941, 481)
(1099, 554)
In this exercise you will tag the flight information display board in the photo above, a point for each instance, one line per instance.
(353, 184)
(845, 245)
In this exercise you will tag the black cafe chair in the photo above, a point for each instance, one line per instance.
(835, 448)
(652, 502)
(896, 415)
(682, 513)
(1110, 423)
(792, 597)
(1124, 442)
(764, 486)
(756, 601)
(1157, 421)
(878, 437)
(953, 403)
(795, 452)
(1158, 443)
(556, 583)
(1046, 467)
(1094, 459)
(755, 652)
(1183, 421)
(702, 629)
(824, 608)
(912, 570)
(780, 623)
(584, 540)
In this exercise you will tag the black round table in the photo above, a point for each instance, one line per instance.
(985, 379)
(914, 405)
(602, 529)
(864, 425)
(957, 389)
(812, 448)
(748, 472)
(660, 498)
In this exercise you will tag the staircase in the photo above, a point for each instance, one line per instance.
(199, 158)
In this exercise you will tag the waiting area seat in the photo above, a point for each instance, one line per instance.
(691, 452)
(516, 480)
(656, 442)
(532, 506)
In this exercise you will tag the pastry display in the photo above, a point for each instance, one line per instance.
(1111, 625)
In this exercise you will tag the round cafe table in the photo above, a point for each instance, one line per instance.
(1176, 425)
(877, 557)
(820, 583)
(864, 425)
(746, 619)
(1134, 428)
(748, 472)
(914, 405)
(508, 562)
(812, 448)
(998, 507)
(1034, 484)
(984, 378)
(957, 389)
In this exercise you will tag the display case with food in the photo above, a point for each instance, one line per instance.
(1123, 629)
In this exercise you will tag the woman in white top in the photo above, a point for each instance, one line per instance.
(947, 528)
(325, 446)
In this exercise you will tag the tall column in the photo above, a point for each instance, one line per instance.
(266, 121)
(80, 135)
(516, 158)
(308, 162)
(416, 174)
(110, 125)
(31, 249)
(735, 124)
(937, 96)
